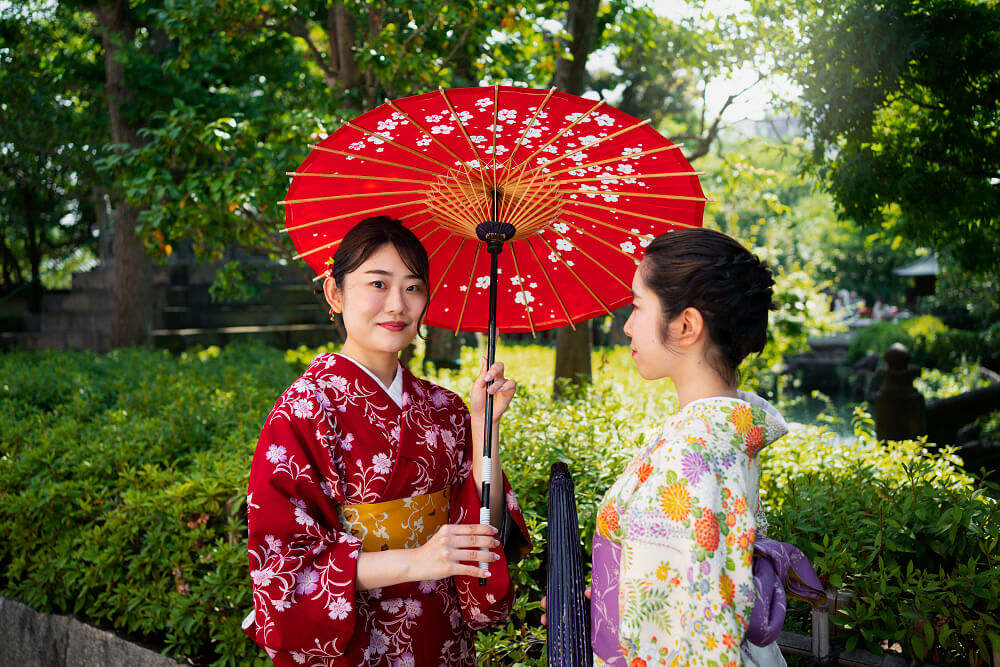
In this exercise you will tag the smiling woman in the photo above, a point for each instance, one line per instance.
(363, 502)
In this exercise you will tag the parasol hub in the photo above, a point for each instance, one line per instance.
(463, 197)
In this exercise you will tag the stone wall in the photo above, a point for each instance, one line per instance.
(30, 639)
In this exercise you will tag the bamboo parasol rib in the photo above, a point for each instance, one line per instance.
(396, 144)
(617, 158)
(361, 156)
(359, 177)
(612, 209)
(447, 268)
(353, 195)
(548, 280)
(626, 177)
(588, 256)
(524, 296)
(575, 275)
(468, 289)
(342, 216)
(654, 195)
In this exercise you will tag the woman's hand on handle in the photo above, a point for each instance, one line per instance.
(442, 555)
(502, 389)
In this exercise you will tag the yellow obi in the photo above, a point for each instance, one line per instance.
(404, 523)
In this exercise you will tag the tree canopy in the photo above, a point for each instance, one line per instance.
(902, 102)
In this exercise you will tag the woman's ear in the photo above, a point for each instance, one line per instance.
(691, 326)
(334, 296)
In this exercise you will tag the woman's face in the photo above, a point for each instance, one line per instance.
(653, 359)
(381, 302)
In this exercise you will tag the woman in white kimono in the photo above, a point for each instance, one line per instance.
(672, 578)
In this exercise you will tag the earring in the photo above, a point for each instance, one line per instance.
(331, 315)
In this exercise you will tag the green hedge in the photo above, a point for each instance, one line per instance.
(122, 481)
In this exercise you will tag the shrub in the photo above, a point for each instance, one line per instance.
(122, 481)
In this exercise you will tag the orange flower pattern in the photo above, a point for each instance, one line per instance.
(683, 513)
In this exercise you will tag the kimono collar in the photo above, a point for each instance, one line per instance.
(395, 389)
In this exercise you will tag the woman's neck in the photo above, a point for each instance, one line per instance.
(383, 365)
(701, 382)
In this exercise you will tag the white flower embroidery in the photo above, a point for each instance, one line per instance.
(387, 124)
(339, 608)
(631, 151)
(307, 582)
(484, 102)
(563, 244)
(464, 116)
(345, 443)
(427, 586)
(299, 657)
(405, 660)
(482, 282)
(302, 408)
(627, 246)
(357, 145)
(376, 140)
(439, 398)
(423, 141)
(626, 168)
(516, 280)
(477, 138)
(433, 118)
(561, 227)
(442, 129)
(276, 454)
(572, 116)
(645, 241)
(392, 606)
(588, 139)
(301, 515)
(273, 543)
(381, 463)
(511, 500)
(261, 577)
(413, 608)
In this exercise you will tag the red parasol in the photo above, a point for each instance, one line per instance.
(584, 185)
(573, 187)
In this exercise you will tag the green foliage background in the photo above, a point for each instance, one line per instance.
(122, 482)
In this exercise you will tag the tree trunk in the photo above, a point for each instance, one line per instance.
(573, 346)
(572, 356)
(34, 249)
(132, 310)
(581, 24)
(443, 349)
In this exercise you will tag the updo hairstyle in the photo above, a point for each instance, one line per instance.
(371, 234)
(729, 285)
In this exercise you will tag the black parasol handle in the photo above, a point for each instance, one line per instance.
(494, 234)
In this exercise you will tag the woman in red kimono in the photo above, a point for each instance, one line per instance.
(364, 501)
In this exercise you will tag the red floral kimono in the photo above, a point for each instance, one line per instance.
(335, 439)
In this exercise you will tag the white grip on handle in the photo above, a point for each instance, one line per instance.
(484, 519)
(487, 468)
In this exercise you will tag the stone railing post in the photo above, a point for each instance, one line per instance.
(900, 410)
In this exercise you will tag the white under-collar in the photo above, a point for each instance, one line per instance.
(395, 389)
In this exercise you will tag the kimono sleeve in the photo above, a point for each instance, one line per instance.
(484, 605)
(686, 585)
(303, 566)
